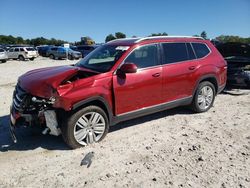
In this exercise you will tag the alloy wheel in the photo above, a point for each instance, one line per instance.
(205, 97)
(89, 128)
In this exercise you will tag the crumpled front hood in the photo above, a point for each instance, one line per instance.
(43, 82)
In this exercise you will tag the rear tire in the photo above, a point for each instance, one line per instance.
(21, 58)
(204, 97)
(51, 56)
(84, 127)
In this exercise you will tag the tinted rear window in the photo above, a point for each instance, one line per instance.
(30, 49)
(201, 50)
(175, 52)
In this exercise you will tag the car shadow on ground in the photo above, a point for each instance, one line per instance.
(29, 139)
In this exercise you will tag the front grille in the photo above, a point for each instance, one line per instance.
(19, 97)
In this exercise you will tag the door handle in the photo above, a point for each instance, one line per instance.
(192, 68)
(156, 74)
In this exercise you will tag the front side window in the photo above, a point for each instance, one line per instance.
(102, 59)
(175, 52)
(201, 50)
(145, 56)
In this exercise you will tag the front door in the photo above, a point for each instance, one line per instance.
(142, 89)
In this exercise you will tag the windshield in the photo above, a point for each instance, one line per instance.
(103, 58)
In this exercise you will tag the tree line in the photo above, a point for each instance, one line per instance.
(4, 39)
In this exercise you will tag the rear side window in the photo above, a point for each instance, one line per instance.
(30, 49)
(201, 50)
(21, 49)
(1, 50)
(16, 50)
(145, 56)
(175, 52)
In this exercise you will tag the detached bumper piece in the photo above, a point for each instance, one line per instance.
(51, 122)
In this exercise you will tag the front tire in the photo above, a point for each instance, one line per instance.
(85, 127)
(204, 97)
(70, 57)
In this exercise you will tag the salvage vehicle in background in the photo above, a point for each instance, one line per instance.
(63, 53)
(237, 56)
(121, 80)
(22, 53)
(3, 55)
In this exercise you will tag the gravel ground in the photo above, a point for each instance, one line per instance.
(174, 148)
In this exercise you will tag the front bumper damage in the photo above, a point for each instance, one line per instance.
(28, 110)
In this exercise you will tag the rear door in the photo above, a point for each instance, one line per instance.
(141, 89)
(179, 67)
(11, 53)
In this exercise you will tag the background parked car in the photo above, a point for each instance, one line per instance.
(62, 53)
(237, 56)
(84, 49)
(22, 53)
(3, 55)
(42, 50)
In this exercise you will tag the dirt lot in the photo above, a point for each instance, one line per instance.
(174, 148)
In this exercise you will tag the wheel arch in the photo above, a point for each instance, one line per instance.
(97, 101)
(210, 78)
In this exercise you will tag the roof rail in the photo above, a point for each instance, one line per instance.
(166, 37)
(124, 39)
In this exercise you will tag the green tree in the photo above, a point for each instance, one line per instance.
(232, 38)
(120, 35)
(19, 40)
(109, 38)
(204, 34)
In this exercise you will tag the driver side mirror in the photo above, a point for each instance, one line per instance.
(128, 68)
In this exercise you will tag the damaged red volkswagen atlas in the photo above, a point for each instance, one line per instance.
(120, 80)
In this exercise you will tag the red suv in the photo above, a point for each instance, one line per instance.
(121, 80)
